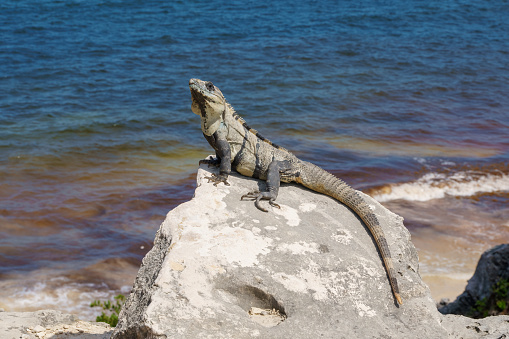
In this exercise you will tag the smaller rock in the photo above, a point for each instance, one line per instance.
(38, 328)
(492, 266)
(443, 302)
(266, 317)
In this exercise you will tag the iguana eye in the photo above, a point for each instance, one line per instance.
(210, 86)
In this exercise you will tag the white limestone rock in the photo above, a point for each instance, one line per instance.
(220, 268)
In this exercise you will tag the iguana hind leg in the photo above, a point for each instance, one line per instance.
(273, 182)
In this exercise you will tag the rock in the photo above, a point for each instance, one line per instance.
(220, 268)
(443, 302)
(460, 327)
(49, 324)
(38, 328)
(492, 266)
(15, 324)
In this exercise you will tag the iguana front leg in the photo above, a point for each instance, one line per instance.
(223, 158)
(273, 182)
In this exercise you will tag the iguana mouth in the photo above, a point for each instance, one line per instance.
(199, 91)
(195, 93)
(194, 85)
(199, 85)
(195, 88)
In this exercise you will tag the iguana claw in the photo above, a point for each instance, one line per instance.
(217, 179)
(273, 204)
(250, 195)
(210, 162)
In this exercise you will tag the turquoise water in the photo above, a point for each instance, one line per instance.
(405, 100)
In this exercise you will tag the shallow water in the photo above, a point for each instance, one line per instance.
(405, 100)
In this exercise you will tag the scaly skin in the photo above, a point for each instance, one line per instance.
(243, 149)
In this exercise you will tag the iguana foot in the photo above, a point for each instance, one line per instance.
(257, 196)
(210, 162)
(217, 179)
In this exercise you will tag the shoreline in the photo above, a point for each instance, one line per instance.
(53, 324)
(444, 287)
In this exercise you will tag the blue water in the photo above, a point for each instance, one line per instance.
(98, 142)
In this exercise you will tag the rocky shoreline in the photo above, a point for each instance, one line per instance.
(220, 268)
(47, 324)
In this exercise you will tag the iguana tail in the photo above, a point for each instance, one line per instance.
(319, 180)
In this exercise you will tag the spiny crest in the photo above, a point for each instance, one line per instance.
(252, 130)
(235, 115)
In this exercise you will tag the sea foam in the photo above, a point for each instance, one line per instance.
(58, 293)
(439, 185)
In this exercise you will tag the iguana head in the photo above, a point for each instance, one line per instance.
(209, 103)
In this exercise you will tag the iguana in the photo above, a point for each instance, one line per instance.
(243, 149)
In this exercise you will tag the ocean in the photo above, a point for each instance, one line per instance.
(405, 100)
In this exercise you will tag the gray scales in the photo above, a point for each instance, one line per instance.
(244, 150)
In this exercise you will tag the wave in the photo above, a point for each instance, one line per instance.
(56, 293)
(440, 185)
